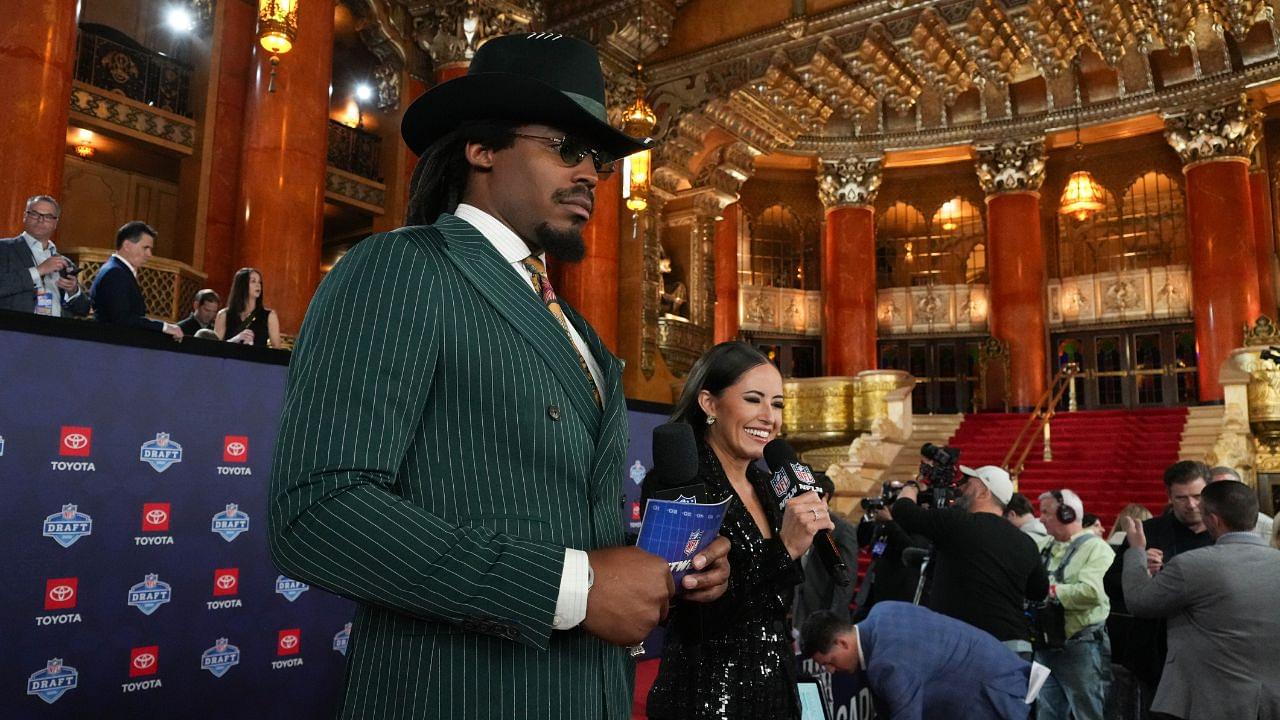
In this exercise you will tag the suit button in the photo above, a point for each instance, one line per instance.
(553, 411)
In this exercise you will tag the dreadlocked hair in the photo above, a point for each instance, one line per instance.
(440, 177)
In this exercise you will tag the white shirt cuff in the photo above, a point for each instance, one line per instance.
(74, 295)
(571, 603)
(35, 277)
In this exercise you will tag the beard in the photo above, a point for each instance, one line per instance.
(565, 245)
(964, 502)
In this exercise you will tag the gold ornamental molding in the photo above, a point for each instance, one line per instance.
(1010, 167)
(850, 181)
(112, 111)
(351, 189)
(1215, 132)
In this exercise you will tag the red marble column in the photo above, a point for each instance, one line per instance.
(1224, 262)
(37, 53)
(849, 289)
(1264, 240)
(1015, 265)
(726, 266)
(279, 218)
(413, 89)
(234, 56)
(591, 286)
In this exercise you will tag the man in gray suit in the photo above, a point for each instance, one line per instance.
(32, 275)
(1223, 624)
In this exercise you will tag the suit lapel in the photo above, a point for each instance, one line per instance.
(491, 276)
(613, 425)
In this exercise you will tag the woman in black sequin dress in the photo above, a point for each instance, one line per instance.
(732, 658)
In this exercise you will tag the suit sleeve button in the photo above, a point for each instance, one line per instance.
(553, 411)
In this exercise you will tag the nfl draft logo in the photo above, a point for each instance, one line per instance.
(638, 472)
(341, 640)
(290, 589)
(230, 522)
(692, 545)
(67, 526)
(161, 452)
(50, 683)
(220, 658)
(150, 594)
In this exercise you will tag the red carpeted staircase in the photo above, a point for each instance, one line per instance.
(1110, 457)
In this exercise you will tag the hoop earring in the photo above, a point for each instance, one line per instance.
(711, 419)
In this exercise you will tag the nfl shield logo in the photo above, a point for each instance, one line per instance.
(220, 658)
(692, 545)
(50, 683)
(67, 526)
(781, 484)
(161, 452)
(341, 640)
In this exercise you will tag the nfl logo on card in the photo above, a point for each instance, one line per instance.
(290, 589)
(230, 522)
(68, 526)
(50, 683)
(161, 452)
(692, 545)
(220, 658)
(150, 594)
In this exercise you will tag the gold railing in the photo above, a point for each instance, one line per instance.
(1038, 424)
(168, 286)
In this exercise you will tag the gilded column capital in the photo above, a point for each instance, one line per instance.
(1011, 166)
(850, 181)
(1214, 132)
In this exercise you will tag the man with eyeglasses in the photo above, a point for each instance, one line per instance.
(451, 447)
(34, 278)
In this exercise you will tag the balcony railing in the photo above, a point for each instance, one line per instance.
(355, 151)
(111, 60)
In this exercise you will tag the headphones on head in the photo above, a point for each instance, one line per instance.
(1065, 513)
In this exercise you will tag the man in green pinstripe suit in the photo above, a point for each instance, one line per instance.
(452, 440)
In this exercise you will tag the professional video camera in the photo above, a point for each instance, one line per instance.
(939, 468)
(887, 496)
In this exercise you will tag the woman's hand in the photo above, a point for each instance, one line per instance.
(804, 515)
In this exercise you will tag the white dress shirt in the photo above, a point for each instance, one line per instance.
(46, 283)
(571, 602)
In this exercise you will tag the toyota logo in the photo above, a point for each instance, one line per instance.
(289, 641)
(226, 581)
(75, 441)
(144, 661)
(157, 517)
(235, 448)
(61, 593)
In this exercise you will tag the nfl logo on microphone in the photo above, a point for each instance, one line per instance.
(161, 452)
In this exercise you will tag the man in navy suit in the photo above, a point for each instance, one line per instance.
(920, 664)
(34, 278)
(117, 298)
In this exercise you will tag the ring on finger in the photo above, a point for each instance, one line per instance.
(815, 512)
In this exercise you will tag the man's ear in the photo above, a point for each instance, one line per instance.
(480, 157)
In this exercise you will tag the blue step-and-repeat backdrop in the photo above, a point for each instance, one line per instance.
(134, 530)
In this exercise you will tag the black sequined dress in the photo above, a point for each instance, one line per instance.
(733, 658)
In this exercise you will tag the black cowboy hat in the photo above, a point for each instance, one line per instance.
(539, 77)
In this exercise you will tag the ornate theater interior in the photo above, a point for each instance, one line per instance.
(1039, 230)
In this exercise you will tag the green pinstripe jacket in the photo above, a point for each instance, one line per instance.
(438, 450)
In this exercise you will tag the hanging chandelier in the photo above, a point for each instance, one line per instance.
(638, 120)
(1082, 196)
(277, 29)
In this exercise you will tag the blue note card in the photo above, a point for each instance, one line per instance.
(676, 531)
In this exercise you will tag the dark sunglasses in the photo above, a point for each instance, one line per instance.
(573, 151)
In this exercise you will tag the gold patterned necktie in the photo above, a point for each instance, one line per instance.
(542, 285)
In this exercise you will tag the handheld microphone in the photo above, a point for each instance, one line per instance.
(790, 478)
(675, 464)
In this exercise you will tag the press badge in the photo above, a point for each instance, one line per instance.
(44, 302)
(878, 549)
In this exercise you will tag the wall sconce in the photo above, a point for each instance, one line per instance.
(351, 116)
(84, 144)
(277, 29)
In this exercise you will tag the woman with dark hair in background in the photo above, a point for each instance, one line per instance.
(732, 658)
(245, 320)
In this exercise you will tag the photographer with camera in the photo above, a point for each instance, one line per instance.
(984, 567)
(889, 577)
(34, 278)
(1071, 632)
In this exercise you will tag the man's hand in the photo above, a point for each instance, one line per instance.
(712, 579)
(630, 594)
(52, 265)
(173, 331)
(910, 491)
(67, 284)
(1155, 560)
(883, 515)
(1137, 538)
